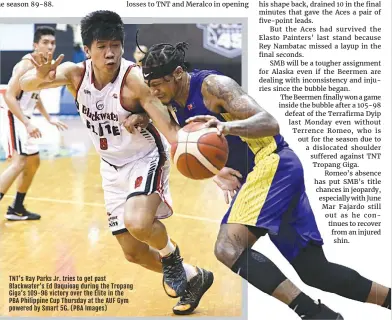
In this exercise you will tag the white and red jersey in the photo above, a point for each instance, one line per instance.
(13, 133)
(102, 113)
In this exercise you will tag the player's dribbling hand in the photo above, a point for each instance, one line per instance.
(136, 122)
(33, 131)
(228, 180)
(211, 122)
(46, 69)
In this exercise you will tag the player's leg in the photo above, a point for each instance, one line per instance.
(139, 252)
(28, 147)
(233, 248)
(300, 242)
(148, 185)
(142, 224)
(8, 138)
(315, 270)
(142, 254)
(144, 204)
(25, 179)
(140, 221)
(148, 199)
(9, 175)
(115, 191)
(256, 209)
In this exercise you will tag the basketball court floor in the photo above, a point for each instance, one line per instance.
(72, 238)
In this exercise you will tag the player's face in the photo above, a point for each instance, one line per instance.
(106, 54)
(46, 44)
(164, 88)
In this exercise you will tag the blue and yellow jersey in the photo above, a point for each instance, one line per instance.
(242, 151)
(272, 195)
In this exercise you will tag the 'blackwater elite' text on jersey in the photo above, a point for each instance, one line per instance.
(102, 113)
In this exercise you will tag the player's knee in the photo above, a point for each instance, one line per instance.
(19, 164)
(319, 279)
(227, 253)
(313, 279)
(133, 257)
(138, 229)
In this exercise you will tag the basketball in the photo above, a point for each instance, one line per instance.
(199, 152)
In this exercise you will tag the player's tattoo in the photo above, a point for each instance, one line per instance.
(223, 95)
(234, 244)
(234, 99)
(225, 88)
(238, 240)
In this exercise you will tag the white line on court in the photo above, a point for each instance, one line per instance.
(95, 204)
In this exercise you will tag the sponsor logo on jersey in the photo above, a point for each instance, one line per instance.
(138, 182)
(113, 221)
(100, 105)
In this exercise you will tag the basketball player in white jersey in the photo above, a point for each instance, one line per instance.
(134, 167)
(18, 133)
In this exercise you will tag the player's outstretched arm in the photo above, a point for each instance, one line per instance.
(47, 74)
(153, 106)
(222, 92)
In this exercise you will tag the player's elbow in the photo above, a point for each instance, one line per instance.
(268, 121)
(275, 129)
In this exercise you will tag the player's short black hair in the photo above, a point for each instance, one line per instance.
(102, 25)
(163, 58)
(43, 31)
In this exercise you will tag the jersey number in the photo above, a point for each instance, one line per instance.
(103, 143)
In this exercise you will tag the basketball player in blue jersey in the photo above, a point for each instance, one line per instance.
(267, 179)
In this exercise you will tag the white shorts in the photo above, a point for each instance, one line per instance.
(14, 136)
(142, 177)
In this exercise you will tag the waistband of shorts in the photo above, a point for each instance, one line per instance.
(154, 152)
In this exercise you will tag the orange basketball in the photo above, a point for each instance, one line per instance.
(199, 152)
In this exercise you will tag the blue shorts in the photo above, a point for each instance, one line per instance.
(273, 197)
